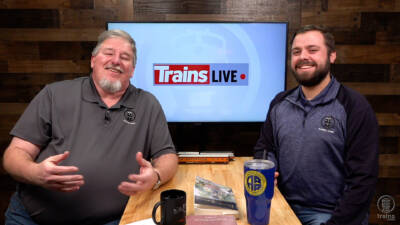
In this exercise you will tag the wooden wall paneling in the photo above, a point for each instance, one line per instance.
(67, 34)
(22, 87)
(12, 108)
(388, 119)
(352, 5)
(10, 94)
(102, 4)
(294, 16)
(290, 80)
(390, 160)
(388, 185)
(388, 171)
(29, 18)
(334, 20)
(66, 50)
(354, 37)
(9, 114)
(388, 38)
(367, 54)
(179, 6)
(23, 80)
(49, 66)
(256, 7)
(149, 17)
(8, 121)
(389, 145)
(34, 4)
(361, 72)
(46, 4)
(269, 6)
(237, 7)
(389, 131)
(82, 4)
(380, 21)
(3, 66)
(123, 8)
(350, 14)
(389, 165)
(228, 17)
(384, 103)
(384, 24)
(86, 18)
(395, 72)
(18, 50)
(375, 88)
(4, 138)
(126, 10)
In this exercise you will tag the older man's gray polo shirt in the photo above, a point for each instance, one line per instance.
(103, 142)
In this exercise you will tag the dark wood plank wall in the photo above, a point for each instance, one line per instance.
(43, 41)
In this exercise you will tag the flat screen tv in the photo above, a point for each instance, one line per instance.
(210, 71)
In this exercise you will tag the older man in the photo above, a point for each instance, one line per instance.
(83, 146)
(323, 137)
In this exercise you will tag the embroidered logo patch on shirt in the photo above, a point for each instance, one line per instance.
(129, 117)
(327, 123)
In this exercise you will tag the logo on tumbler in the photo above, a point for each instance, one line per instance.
(255, 182)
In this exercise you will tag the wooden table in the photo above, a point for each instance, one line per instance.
(140, 206)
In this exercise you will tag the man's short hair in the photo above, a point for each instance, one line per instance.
(329, 39)
(115, 33)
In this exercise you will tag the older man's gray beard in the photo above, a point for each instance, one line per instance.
(109, 86)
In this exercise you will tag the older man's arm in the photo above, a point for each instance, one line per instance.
(19, 162)
(166, 165)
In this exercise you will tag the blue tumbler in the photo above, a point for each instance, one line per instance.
(258, 190)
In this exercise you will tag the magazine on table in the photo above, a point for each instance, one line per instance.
(213, 199)
(210, 220)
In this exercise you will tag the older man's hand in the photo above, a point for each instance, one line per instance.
(145, 180)
(50, 175)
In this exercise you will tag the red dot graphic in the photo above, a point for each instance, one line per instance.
(243, 76)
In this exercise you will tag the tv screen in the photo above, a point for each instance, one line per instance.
(210, 71)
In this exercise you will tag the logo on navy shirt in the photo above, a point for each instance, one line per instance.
(327, 123)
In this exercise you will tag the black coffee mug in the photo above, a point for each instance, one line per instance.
(173, 208)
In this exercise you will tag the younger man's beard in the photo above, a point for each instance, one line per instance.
(316, 78)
